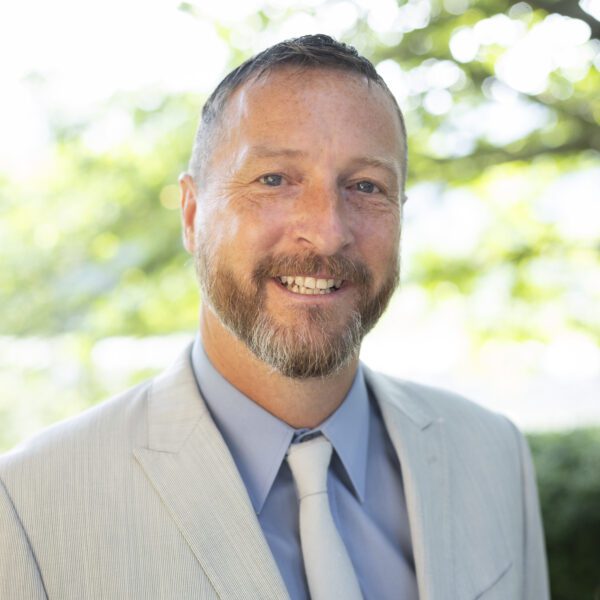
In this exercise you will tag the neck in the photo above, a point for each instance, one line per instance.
(298, 402)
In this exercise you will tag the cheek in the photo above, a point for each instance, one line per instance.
(263, 224)
(378, 238)
(239, 232)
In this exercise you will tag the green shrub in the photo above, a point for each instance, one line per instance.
(568, 472)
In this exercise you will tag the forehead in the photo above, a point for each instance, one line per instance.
(305, 104)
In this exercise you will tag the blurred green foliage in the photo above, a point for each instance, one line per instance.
(568, 473)
(92, 245)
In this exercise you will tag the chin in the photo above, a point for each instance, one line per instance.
(316, 349)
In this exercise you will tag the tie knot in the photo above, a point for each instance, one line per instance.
(309, 462)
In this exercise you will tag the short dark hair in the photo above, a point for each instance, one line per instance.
(307, 52)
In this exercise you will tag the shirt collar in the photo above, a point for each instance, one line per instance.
(348, 431)
(258, 441)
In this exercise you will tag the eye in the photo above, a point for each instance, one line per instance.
(271, 179)
(367, 187)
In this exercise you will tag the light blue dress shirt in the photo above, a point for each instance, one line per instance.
(364, 482)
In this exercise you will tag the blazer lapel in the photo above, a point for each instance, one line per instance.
(419, 443)
(458, 543)
(190, 467)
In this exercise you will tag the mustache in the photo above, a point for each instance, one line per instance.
(336, 267)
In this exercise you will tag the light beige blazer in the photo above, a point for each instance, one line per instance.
(139, 498)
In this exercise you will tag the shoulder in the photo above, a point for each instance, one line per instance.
(421, 401)
(479, 447)
(465, 422)
(100, 442)
(115, 424)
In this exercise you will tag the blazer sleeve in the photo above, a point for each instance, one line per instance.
(19, 574)
(536, 586)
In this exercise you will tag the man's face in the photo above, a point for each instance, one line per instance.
(297, 221)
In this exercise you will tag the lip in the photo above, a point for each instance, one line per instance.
(311, 299)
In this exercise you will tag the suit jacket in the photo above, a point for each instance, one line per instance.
(139, 497)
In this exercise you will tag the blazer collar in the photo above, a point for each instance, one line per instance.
(190, 467)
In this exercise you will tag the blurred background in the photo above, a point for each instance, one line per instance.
(500, 287)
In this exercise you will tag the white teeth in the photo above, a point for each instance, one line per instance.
(310, 285)
(310, 291)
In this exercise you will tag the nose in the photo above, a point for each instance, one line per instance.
(323, 220)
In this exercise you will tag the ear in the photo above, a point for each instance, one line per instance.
(187, 189)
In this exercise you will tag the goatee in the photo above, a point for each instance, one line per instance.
(312, 346)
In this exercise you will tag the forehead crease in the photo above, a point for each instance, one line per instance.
(264, 151)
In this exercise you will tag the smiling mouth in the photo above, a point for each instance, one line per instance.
(310, 286)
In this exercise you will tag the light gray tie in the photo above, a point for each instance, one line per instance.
(329, 572)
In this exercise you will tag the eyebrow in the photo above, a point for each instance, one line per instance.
(378, 163)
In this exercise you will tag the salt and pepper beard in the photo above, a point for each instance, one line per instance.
(307, 347)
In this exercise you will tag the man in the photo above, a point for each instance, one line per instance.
(187, 486)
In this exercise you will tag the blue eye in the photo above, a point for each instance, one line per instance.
(367, 187)
(271, 179)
